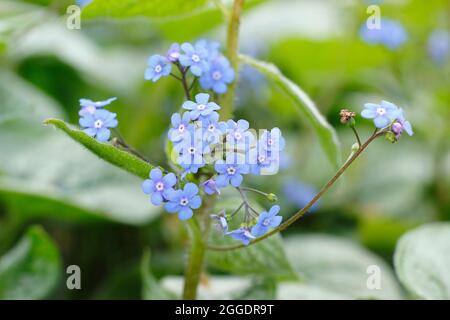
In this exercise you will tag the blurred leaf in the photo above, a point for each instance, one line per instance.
(225, 288)
(31, 269)
(40, 169)
(422, 261)
(266, 258)
(325, 132)
(301, 291)
(151, 289)
(122, 159)
(339, 266)
(132, 8)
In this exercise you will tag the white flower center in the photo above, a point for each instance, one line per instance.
(181, 127)
(381, 111)
(211, 128)
(191, 150)
(270, 141)
(195, 58)
(91, 109)
(266, 222)
(184, 201)
(201, 107)
(159, 186)
(98, 124)
(237, 135)
(217, 75)
(261, 159)
(231, 171)
(158, 68)
(175, 55)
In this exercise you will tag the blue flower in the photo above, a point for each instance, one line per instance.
(237, 133)
(391, 34)
(212, 128)
(201, 107)
(230, 173)
(210, 187)
(83, 3)
(183, 201)
(222, 223)
(401, 124)
(219, 75)
(195, 58)
(158, 66)
(211, 47)
(181, 127)
(97, 124)
(264, 162)
(272, 141)
(173, 54)
(382, 114)
(192, 151)
(158, 186)
(439, 46)
(89, 106)
(267, 220)
(299, 193)
(242, 234)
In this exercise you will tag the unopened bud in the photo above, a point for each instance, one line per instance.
(390, 136)
(355, 147)
(272, 197)
(347, 116)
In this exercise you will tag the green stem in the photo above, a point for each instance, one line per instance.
(305, 209)
(197, 252)
(233, 55)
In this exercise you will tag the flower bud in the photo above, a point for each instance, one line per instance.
(390, 136)
(347, 117)
(272, 197)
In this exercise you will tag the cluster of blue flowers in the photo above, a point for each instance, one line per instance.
(202, 59)
(388, 115)
(96, 120)
(230, 149)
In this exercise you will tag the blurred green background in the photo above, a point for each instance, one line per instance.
(96, 216)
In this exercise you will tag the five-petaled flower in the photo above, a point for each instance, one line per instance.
(158, 66)
(183, 201)
(194, 57)
(201, 107)
(267, 220)
(230, 173)
(219, 75)
(159, 185)
(212, 128)
(181, 128)
(242, 234)
(89, 107)
(382, 114)
(97, 124)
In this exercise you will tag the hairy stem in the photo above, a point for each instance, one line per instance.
(233, 56)
(305, 209)
(199, 238)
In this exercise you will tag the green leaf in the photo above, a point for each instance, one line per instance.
(151, 289)
(308, 110)
(422, 261)
(105, 151)
(44, 173)
(132, 8)
(31, 269)
(266, 258)
(337, 267)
